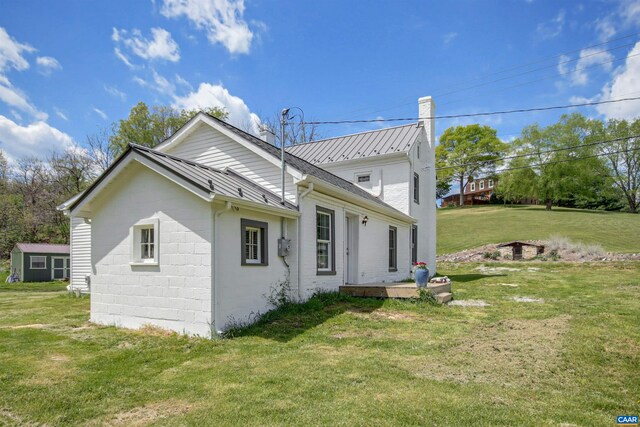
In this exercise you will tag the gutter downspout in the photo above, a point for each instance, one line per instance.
(300, 197)
(214, 262)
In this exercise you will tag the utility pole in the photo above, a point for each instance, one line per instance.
(284, 116)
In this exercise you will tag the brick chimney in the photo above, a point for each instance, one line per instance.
(266, 134)
(427, 108)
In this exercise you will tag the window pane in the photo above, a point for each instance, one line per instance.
(323, 255)
(145, 251)
(252, 244)
(323, 226)
(151, 249)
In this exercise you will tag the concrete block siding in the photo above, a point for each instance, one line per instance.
(175, 294)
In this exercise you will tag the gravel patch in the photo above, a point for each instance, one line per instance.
(469, 303)
(527, 299)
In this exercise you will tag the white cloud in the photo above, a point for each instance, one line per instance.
(15, 98)
(209, 95)
(160, 46)
(221, 19)
(100, 113)
(61, 114)
(448, 38)
(553, 27)
(629, 11)
(606, 28)
(159, 83)
(11, 57)
(11, 52)
(115, 92)
(35, 139)
(588, 59)
(625, 83)
(47, 64)
(122, 57)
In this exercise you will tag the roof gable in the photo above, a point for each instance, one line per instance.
(202, 180)
(362, 145)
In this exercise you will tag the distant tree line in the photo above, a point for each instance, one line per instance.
(576, 162)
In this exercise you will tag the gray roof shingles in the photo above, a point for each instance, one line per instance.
(43, 248)
(359, 145)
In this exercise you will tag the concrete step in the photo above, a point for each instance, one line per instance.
(437, 288)
(444, 297)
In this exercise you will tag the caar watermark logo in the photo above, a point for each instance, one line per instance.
(627, 420)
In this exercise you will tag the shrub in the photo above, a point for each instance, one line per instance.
(584, 250)
(491, 255)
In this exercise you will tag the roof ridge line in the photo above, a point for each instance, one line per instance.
(351, 134)
(180, 159)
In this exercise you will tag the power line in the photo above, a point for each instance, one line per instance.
(555, 150)
(572, 160)
(491, 113)
(568, 160)
(520, 67)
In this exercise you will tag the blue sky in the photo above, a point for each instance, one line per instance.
(70, 68)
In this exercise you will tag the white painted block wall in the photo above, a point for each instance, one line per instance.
(373, 265)
(242, 291)
(176, 294)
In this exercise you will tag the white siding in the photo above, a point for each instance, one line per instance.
(176, 294)
(425, 210)
(208, 146)
(392, 173)
(80, 252)
(242, 291)
(373, 254)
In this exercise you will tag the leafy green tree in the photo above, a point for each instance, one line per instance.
(517, 183)
(565, 168)
(622, 157)
(150, 126)
(466, 152)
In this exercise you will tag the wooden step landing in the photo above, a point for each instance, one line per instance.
(442, 291)
(381, 290)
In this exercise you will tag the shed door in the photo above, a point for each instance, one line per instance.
(60, 268)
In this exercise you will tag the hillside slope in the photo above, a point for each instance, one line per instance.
(470, 227)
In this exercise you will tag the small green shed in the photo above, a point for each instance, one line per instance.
(40, 262)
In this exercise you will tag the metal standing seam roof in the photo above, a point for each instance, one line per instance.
(44, 248)
(215, 181)
(306, 167)
(225, 182)
(366, 144)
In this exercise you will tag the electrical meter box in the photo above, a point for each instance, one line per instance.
(284, 247)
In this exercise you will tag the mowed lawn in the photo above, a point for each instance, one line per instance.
(572, 358)
(470, 227)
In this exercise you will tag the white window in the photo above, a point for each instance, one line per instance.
(254, 242)
(144, 240)
(490, 183)
(393, 249)
(38, 262)
(472, 186)
(363, 180)
(325, 245)
(418, 150)
(482, 185)
(416, 188)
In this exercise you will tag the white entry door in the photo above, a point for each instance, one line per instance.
(351, 249)
(60, 268)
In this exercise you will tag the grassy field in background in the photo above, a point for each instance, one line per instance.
(571, 359)
(470, 227)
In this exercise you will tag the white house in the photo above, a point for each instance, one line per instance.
(193, 235)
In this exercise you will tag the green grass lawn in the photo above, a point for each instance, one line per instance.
(470, 227)
(573, 358)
